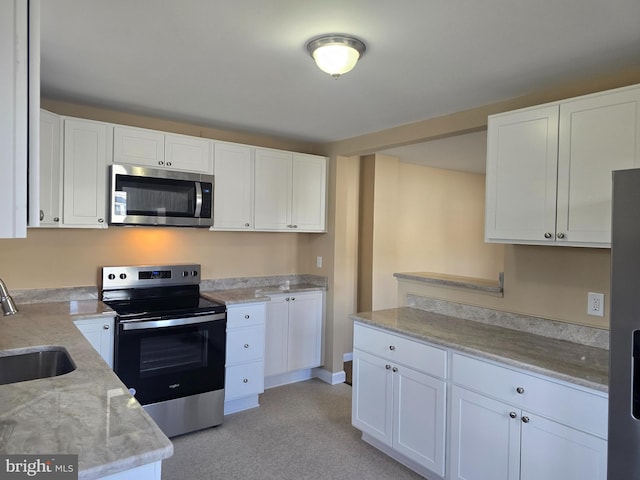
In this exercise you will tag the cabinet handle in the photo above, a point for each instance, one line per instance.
(286, 299)
(168, 164)
(548, 235)
(101, 220)
(160, 162)
(56, 219)
(247, 317)
(520, 390)
(293, 299)
(246, 345)
(525, 419)
(105, 327)
(294, 226)
(387, 366)
(247, 225)
(41, 215)
(560, 235)
(245, 380)
(392, 347)
(513, 414)
(394, 369)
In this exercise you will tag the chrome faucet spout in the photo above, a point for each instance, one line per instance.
(8, 305)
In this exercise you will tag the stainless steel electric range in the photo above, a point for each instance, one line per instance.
(169, 344)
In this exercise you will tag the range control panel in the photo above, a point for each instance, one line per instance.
(149, 276)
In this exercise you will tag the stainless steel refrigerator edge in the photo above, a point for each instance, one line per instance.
(624, 365)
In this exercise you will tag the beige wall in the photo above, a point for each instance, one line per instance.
(420, 219)
(547, 282)
(50, 258)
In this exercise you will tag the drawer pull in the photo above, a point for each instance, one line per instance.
(520, 390)
(387, 366)
(245, 380)
(513, 414)
(105, 327)
(392, 347)
(247, 317)
(525, 419)
(394, 369)
(246, 345)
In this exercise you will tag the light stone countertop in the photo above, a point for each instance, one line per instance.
(88, 412)
(256, 294)
(568, 361)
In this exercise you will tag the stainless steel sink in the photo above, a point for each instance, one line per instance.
(21, 365)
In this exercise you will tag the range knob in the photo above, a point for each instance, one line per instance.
(123, 276)
(111, 276)
(194, 273)
(185, 274)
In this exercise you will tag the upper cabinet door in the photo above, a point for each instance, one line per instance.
(522, 152)
(233, 191)
(273, 178)
(193, 154)
(138, 146)
(86, 150)
(598, 134)
(13, 118)
(50, 169)
(309, 192)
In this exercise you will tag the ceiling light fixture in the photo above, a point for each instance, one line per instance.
(336, 54)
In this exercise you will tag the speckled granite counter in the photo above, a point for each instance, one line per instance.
(256, 294)
(86, 412)
(572, 362)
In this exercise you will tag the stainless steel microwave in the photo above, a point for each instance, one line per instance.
(149, 196)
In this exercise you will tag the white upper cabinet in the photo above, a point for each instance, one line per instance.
(549, 168)
(273, 180)
(50, 169)
(13, 118)
(309, 192)
(522, 161)
(139, 146)
(87, 150)
(598, 134)
(290, 191)
(233, 192)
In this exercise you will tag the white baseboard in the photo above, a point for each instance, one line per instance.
(240, 404)
(329, 377)
(347, 357)
(302, 375)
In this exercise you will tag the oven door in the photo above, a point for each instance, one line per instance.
(164, 359)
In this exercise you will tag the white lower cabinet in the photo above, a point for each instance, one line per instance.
(294, 332)
(502, 431)
(99, 332)
(397, 406)
(244, 375)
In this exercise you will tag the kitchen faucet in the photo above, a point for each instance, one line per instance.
(8, 305)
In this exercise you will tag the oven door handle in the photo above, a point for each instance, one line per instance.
(157, 322)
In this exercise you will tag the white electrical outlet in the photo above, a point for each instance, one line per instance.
(319, 261)
(595, 304)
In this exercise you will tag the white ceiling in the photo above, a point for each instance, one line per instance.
(242, 65)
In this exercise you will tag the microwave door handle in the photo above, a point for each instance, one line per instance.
(198, 200)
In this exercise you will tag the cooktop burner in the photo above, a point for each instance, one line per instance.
(166, 292)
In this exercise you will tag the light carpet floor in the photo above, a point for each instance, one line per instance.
(300, 431)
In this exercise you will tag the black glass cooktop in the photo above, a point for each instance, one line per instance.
(164, 302)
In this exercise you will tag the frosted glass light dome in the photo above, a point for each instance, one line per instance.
(336, 54)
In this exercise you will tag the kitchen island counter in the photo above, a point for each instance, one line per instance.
(87, 412)
(572, 362)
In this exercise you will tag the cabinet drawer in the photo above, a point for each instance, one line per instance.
(414, 354)
(243, 380)
(571, 406)
(245, 344)
(245, 315)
